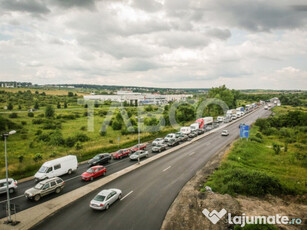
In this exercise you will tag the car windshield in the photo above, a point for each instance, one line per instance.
(97, 157)
(99, 198)
(119, 151)
(39, 186)
(90, 170)
(158, 146)
(43, 169)
(158, 139)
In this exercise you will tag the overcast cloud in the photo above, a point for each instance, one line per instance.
(159, 43)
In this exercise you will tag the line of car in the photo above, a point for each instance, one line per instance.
(54, 184)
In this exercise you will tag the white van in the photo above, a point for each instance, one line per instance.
(185, 130)
(57, 167)
(169, 137)
(194, 126)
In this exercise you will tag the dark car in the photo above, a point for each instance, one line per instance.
(200, 131)
(100, 159)
(158, 148)
(192, 134)
(184, 137)
(121, 153)
(173, 142)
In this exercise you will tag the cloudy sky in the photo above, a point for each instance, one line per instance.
(155, 43)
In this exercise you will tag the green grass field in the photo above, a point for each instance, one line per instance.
(253, 168)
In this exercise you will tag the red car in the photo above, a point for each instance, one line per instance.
(138, 147)
(93, 172)
(121, 153)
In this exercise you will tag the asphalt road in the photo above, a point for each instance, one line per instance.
(148, 191)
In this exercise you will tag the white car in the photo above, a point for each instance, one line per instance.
(158, 141)
(105, 198)
(139, 154)
(12, 185)
(225, 132)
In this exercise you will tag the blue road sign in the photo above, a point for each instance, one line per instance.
(244, 131)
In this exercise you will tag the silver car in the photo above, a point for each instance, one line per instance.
(44, 188)
(12, 185)
(105, 198)
(139, 154)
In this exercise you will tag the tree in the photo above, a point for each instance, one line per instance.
(49, 111)
(36, 106)
(70, 94)
(65, 105)
(58, 105)
(19, 107)
(10, 106)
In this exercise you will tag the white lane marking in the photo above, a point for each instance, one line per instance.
(166, 168)
(12, 198)
(73, 178)
(191, 153)
(126, 195)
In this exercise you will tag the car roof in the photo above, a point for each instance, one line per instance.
(50, 179)
(105, 192)
(4, 180)
(97, 166)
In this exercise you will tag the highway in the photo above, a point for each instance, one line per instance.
(148, 191)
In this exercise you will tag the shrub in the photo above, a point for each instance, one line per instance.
(258, 135)
(24, 136)
(85, 114)
(20, 158)
(83, 128)
(56, 138)
(38, 132)
(30, 114)
(286, 147)
(44, 137)
(246, 182)
(49, 111)
(276, 148)
(111, 141)
(52, 155)
(256, 139)
(116, 125)
(102, 133)
(10, 106)
(13, 115)
(38, 121)
(270, 131)
(69, 117)
(38, 157)
(81, 137)
(52, 125)
(70, 141)
(78, 145)
(23, 122)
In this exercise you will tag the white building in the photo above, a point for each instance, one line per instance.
(140, 98)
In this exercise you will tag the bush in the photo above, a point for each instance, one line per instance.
(258, 135)
(276, 148)
(256, 139)
(20, 158)
(13, 115)
(116, 125)
(69, 117)
(56, 138)
(38, 157)
(38, 121)
(83, 128)
(270, 131)
(44, 137)
(38, 132)
(10, 106)
(85, 114)
(111, 141)
(78, 145)
(30, 114)
(24, 136)
(23, 122)
(52, 125)
(70, 141)
(49, 111)
(102, 133)
(246, 182)
(81, 137)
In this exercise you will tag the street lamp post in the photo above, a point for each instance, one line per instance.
(139, 130)
(5, 136)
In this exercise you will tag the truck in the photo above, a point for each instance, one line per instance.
(185, 130)
(239, 109)
(57, 167)
(266, 107)
(208, 120)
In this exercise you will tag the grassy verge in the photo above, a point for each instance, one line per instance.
(255, 168)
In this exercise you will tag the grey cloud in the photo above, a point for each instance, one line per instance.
(74, 3)
(30, 6)
(222, 34)
(140, 65)
(147, 5)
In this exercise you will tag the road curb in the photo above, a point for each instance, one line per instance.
(32, 216)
